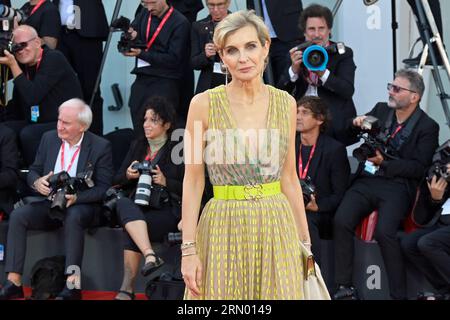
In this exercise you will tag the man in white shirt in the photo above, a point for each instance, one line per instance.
(73, 149)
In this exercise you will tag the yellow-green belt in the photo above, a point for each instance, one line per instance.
(247, 192)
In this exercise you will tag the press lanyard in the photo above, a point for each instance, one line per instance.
(399, 127)
(38, 63)
(73, 157)
(36, 7)
(300, 162)
(149, 156)
(158, 29)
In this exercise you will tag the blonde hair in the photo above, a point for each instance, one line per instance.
(238, 20)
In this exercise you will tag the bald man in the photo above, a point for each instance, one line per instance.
(43, 80)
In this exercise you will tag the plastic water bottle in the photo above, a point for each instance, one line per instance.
(2, 251)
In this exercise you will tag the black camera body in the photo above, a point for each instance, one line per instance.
(440, 160)
(110, 204)
(374, 139)
(126, 43)
(62, 184)
(207, 28)
(174, 238)
(7, 16)
(308, 189)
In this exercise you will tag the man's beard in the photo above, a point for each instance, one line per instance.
(394, 104)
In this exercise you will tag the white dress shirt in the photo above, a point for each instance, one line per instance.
(68, 156)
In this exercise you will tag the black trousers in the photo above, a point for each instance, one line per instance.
(159, 221)
(29, 137)
(429, 251)
(313, 219)
(34, 216)
(435, 10)
(393, 202)
(145, 87)
(85, 55)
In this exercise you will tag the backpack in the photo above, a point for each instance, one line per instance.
(165, 287)
(48, 278)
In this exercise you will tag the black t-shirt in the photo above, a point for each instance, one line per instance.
(46, 20)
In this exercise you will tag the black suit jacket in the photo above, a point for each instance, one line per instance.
(93, 18)
(337, 92)
(189, 8)
(415, 154)
(95, 151)
(8, 168)
(329, 171)
(284, 17)
(199, 38)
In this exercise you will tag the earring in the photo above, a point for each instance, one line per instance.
(224, 69)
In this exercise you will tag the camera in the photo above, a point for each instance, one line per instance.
(308, 189)
(62, 184)
(144, 186)
(440, 160)
(148, 194)
(110, 203)
(315, 57)
(126, 43)
(374, 139)
(11, 13)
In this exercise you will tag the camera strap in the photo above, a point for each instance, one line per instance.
(159, 154)
(403, 132)
(158, 29)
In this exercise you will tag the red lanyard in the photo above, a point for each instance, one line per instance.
(38, 63)
(36, 7)
(399, 127)
(158, 29)
(150, 156)
(73, 158)
(302, 172)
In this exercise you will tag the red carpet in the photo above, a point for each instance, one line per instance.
(96, 295)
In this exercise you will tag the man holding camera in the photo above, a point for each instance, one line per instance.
(160, 65)
(387, 182)
(71, 148)
(323, 165)
(428, 248)
(335, 84)
(43, 80)
(204, 56)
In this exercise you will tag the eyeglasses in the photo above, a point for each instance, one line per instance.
(397, 89)
(16, 47)
(218, 6)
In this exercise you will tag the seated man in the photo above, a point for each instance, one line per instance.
(428, 249)
(43, 80)
(73, 149)
(323, 163)
(386, 180)
(8, 168)
(335, 85)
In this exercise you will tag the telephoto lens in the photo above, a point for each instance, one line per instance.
(143, 189)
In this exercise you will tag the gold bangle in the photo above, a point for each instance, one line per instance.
(189, 254)
(187, 245)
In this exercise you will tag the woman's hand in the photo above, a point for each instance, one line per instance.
(191, 269)
(131, 173)
(159, 177)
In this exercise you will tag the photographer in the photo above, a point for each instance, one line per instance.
(8, 169)
(160, 66)
(43, 80)
(335, 85)
(323, 161)
(43, 16)
(204, 56)
(387, 183)
(152, 222)
(73, 149)
(428, 248)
